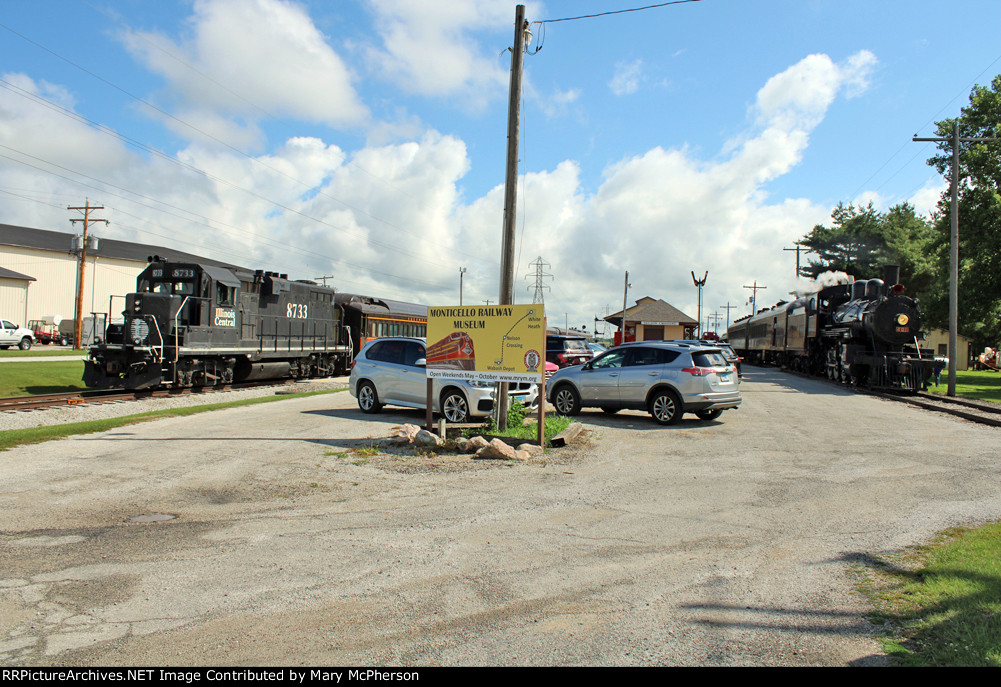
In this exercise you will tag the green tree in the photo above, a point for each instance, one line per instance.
(979, 215)
(861, 240)
(912, 243)
(854, 243)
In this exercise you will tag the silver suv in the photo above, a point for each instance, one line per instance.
(665, 378)
(390, 371)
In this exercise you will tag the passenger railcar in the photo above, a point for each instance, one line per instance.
(192, 324)
(368, 318)
(865, 333)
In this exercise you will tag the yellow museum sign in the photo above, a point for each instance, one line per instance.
(494, 343)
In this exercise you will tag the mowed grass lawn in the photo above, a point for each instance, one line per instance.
(979, 385)
(27, 379)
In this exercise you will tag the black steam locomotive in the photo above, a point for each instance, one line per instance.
(865, 333)
(201, 325)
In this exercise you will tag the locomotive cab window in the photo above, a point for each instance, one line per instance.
(224, 295)
(183, 288)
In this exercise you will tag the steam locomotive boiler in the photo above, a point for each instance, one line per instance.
(865, 333)
(200, 325)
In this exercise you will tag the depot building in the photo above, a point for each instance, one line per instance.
(652, 319)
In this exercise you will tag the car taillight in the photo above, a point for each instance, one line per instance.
(699, 371)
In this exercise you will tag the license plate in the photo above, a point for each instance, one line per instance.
(724, 377)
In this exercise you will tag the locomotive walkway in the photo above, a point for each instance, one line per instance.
(271, 535)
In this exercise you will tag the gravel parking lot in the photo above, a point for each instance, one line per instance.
(269, 535)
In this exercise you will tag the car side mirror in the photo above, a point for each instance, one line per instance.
(421, 362)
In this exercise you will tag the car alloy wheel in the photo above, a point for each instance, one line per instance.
(454, 407)
(368, 399)
(567, 401)
(666, 408)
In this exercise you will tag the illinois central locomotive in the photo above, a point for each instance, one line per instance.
(865, 333)
(193, 324)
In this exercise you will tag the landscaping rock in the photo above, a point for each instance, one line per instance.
(496, 450)
(533, 450)
(426, 438)
(476, 443)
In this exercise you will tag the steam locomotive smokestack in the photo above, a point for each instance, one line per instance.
(891, 275)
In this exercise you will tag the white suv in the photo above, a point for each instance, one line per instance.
(390, 371)
(15, 335)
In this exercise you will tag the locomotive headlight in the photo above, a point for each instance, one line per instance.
(903, 319)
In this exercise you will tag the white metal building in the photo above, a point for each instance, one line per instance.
(38, 273)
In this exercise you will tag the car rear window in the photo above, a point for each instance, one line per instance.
(709, 359)
(650, 356)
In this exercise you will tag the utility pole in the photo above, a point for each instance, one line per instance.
(954, 245)
(324, 278)
(728, 308)
(462, 271)
(78, 323)
(713, 319)
(699, 283)
(622, 323)
(539, 264)
(754, 295)
(511, 184)
(798, 248)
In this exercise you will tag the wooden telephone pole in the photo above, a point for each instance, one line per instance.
(78, 323)
(954, 245)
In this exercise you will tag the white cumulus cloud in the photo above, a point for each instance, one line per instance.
(253, 59)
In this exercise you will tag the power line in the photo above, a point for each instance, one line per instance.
(605, 14)
(209, 223)
(106, 130)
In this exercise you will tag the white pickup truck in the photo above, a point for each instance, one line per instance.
(15, 335)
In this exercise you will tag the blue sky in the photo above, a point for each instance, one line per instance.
(366, 139)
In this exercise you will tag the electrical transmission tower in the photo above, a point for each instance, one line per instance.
(540, 274)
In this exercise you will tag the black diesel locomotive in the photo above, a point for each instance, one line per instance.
(201, 325)
(865, 333)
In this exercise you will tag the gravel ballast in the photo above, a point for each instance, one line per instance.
(86, 412)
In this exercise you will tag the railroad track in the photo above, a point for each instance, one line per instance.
(981, 412)
(984, 413)
(40, 401)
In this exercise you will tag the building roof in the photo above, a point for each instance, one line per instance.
(11, 274)
(62, 242)
(652, 310)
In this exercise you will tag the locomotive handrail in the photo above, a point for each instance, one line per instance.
(176, 334)
(159, 336)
